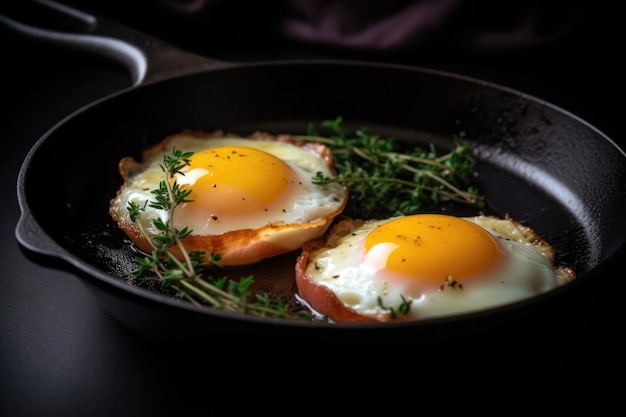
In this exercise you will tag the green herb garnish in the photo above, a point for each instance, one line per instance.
(186, 277)
(382, 178)
(385, 180)
(403, 308)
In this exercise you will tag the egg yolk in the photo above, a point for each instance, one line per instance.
(430, 250)
(236, 180)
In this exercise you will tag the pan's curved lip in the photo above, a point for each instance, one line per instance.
(208, 312)
(226, 66)
(27, 222)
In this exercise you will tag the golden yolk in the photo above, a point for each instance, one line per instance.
(432, 249)
(236, 180)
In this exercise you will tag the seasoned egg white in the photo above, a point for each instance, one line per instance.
(437, 264)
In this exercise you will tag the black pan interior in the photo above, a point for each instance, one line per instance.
(538, 163)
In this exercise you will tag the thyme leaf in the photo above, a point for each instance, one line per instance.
(403, 308)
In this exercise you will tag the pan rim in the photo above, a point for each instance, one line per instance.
(109, 279)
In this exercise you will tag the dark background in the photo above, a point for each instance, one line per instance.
(62, 354)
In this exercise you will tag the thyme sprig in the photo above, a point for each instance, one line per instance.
(384, 180)
(186, 277)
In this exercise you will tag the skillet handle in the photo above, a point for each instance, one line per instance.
(28, 234)
(147, 58)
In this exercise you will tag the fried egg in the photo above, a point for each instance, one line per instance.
(424, 265)
(251, 198)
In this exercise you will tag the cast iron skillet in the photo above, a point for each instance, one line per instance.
(539, 163)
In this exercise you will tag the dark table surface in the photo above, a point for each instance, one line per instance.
(61, 353)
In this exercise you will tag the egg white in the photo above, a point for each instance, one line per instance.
(527, 270)
(310, 202)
